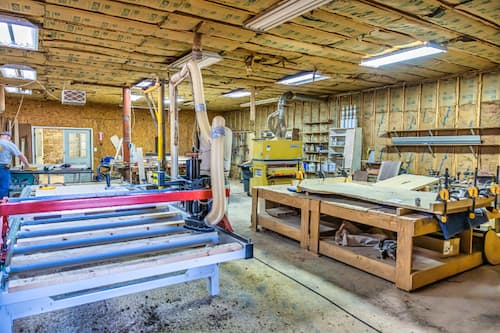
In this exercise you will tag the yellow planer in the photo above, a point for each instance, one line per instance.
(276, 162)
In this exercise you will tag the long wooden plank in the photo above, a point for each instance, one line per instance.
(450, 266)
(277, 225)
(357, 257)
(115, 268)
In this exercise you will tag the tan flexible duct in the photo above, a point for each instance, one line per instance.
(214, 135)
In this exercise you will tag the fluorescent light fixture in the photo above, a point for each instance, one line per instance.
(403, 55)
(18, 32)
(207, 59)
(144, 83)
(180, 99)
(18, 72)
(135, 97)
(282, 12)
(302, 78)
(437, 140)
(261, 102)
(237, 93)
(17, 90)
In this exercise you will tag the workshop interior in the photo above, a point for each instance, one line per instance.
(349, 150)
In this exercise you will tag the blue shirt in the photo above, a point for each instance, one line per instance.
(7, 151)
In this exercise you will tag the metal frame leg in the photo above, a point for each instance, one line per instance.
(213, 281)
(5, 320)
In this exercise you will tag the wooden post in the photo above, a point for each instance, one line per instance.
(404, 256)
(127, 107)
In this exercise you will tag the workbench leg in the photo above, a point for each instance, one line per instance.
(213, 281)
(255, 204)
(404, 257)
(304, 224)
(466, 242)
(314, 226)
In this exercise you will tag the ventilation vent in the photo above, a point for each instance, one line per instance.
(73, 97)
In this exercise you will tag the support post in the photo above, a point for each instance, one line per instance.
(127, 107)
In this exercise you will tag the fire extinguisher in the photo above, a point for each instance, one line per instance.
(100, 137)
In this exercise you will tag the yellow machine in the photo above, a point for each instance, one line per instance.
(276, 162)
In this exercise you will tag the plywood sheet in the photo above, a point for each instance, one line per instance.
(407, 182)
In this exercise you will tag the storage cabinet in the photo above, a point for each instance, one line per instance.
(344, 149)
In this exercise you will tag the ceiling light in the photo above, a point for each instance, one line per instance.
(18, 72)
(403, 55)
(261, 102)
(180, 99)
(17, 90)
(302, 78)
(207, 59)
(237, 93)
(144, 83)
(18, 32)
(282, 12)
(135, 97)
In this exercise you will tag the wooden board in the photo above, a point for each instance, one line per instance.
(407, 182)
(393, 197)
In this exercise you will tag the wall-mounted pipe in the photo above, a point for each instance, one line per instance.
(214, 136)
(276, 121)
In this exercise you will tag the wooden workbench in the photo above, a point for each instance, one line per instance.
(414, 267)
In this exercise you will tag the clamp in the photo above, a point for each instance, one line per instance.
(473, 193)
(444, 195)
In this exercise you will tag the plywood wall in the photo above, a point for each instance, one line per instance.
(471, 100)
(105, 118)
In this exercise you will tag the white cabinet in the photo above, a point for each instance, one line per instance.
(344, 149)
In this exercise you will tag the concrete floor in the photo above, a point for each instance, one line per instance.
(286, 289)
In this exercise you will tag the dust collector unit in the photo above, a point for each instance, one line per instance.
(73, 97)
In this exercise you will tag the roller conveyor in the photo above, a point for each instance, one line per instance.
(58, 259)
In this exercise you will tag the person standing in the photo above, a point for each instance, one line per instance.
(8, 150)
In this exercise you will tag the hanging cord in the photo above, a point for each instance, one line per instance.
(17, 113)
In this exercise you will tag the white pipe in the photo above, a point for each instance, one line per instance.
(217, 172)
(174, 120)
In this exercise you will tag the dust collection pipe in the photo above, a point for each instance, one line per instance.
(127, 107)
(214, 136)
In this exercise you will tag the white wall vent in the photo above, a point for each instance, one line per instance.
(74, 97)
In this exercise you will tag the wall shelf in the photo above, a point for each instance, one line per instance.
(445, 131)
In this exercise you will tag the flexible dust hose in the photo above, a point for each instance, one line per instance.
(214, 136)
(217, 136)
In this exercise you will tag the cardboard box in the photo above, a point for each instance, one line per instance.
(447, 247)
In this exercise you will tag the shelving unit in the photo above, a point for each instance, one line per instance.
(344, 149)
(315, 143)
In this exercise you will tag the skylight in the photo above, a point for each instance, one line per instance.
(18, 32)
(18, 72)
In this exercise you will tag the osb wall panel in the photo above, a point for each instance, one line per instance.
(472, 100)
(104, 118)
